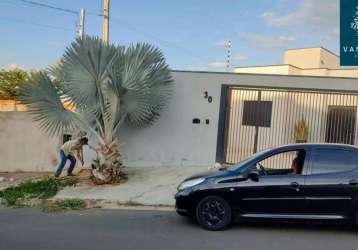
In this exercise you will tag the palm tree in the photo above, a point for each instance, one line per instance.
(97, 88)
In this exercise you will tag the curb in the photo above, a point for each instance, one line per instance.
(108, 204)
(143, 208)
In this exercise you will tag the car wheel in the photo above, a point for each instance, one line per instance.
(213, 213)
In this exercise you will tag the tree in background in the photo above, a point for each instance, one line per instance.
(10, 81)
(98, 88)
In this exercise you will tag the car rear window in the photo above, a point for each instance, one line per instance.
(333, 160)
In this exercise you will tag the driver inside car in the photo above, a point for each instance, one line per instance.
(297, 163)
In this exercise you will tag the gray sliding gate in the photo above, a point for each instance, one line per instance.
(258, 118)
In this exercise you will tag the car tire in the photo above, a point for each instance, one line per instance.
(213, 213)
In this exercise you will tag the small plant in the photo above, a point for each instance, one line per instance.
(62, 205)
(43, 189)
(301, 130)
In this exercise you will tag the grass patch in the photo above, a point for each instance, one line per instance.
(43, 189)
(62, 205)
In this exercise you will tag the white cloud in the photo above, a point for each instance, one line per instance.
(217, 64)
(240, 57)
(310, 16)
(12, 66)
(267, 42)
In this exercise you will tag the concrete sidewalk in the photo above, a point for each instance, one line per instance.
(146, 185)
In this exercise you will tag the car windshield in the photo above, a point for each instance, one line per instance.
(241, 166)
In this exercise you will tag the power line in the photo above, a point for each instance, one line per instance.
(162, 41)
(121, 23)
(49, 6)
(28, 3)
(37, 24)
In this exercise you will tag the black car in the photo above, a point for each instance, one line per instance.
(301, 181)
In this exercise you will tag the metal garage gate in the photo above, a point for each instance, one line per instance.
(258, 118)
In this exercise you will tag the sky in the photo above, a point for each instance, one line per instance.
(191, 33)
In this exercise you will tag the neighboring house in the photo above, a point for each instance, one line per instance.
(211, 117)
(306, 61)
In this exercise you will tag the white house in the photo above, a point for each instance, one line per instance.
(211, 117)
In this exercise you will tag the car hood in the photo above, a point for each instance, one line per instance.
(208, 174)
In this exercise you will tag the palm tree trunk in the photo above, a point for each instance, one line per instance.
(107, 168)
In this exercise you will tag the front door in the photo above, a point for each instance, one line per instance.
(280, 186)
(329, 184)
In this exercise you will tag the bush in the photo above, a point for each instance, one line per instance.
(10, 81)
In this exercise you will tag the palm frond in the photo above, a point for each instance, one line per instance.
(83, 71)
(142, 81)
(44, 102)
(107, 85)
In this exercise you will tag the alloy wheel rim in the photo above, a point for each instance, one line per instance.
(213, 212)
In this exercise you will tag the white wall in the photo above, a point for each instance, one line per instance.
(174, 139)
(23, 147)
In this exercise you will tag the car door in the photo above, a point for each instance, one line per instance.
(331, 184)
(280, 193)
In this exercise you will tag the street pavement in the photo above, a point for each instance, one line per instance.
(124, 229)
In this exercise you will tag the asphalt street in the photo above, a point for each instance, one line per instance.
(121, 230)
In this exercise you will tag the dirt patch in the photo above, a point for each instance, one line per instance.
(84, 177)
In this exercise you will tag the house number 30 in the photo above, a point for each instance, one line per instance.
(206, 96)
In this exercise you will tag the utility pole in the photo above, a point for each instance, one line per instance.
(81, 30)
(106, 21)
(228, 56)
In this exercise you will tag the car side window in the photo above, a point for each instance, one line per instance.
(288, 162)
(333, 161)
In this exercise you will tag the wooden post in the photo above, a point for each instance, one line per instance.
(106, 21)
(81, 30)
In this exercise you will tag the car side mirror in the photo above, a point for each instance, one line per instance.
(254, 175)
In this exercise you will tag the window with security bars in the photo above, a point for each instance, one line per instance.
(341, 124)
(257, 113)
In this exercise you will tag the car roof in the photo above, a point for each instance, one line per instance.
(315, 145)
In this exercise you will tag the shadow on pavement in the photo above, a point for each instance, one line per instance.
(303, 226)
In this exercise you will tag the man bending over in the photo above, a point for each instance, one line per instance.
(69, 151)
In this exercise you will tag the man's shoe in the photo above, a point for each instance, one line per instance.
(70, 174)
